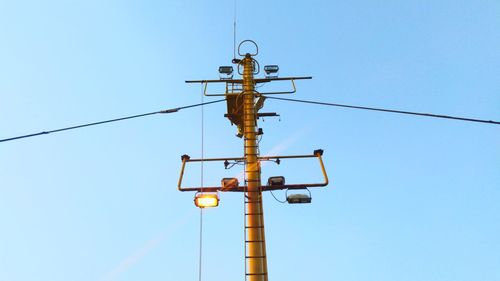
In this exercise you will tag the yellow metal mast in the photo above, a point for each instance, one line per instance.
(255, 242)
(243, 105)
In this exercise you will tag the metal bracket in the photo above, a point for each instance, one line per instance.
(249, 41)
(317, 153)
(294, 89)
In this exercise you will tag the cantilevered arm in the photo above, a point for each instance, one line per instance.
(234, 82)
(317, 153)
(256, 80)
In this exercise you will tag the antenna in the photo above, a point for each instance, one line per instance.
(234, 31)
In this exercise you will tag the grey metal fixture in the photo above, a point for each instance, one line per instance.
(228, 183)
(276, 181)
(271, 70)
(226, 72)
(299, 198)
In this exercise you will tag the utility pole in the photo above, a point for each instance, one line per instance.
(243, 105)
(255, 242)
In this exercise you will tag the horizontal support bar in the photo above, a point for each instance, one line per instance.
(263, 114)
(262, 188)
(256, 80)
(215, 159)
(317, 153)
(242, 158)
(267, 114)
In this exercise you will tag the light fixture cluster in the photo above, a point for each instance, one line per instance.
(211, 199)
(226, 72)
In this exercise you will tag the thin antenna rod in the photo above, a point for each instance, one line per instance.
(234, 30)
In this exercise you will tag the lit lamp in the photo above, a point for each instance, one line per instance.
(206, 200)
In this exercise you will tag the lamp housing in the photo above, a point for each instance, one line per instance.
(271, 70)
(298, 199)
(276, 181)
(226, 72)
(206, 200)
(229, 183)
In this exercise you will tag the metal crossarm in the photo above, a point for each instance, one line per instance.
(256, 80)
(317, 153)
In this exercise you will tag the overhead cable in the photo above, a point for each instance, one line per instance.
(166, 111)
(389, 110)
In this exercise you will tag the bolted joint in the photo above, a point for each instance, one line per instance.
(170, 110)
(318, 152)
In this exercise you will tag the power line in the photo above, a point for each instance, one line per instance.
(389, 110)
(166, 111)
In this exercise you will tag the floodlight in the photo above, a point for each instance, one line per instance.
(206, 200)
(271, 70)
(226, 72)
(229, 183)
(276, 181)
(299, 198)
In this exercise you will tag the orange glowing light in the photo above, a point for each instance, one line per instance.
(206, 200)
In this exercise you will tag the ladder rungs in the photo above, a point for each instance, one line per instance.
(259, 226)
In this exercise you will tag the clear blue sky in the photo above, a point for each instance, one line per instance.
(412, 198)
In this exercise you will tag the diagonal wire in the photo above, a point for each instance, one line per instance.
(166, 111)
(389, 110)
